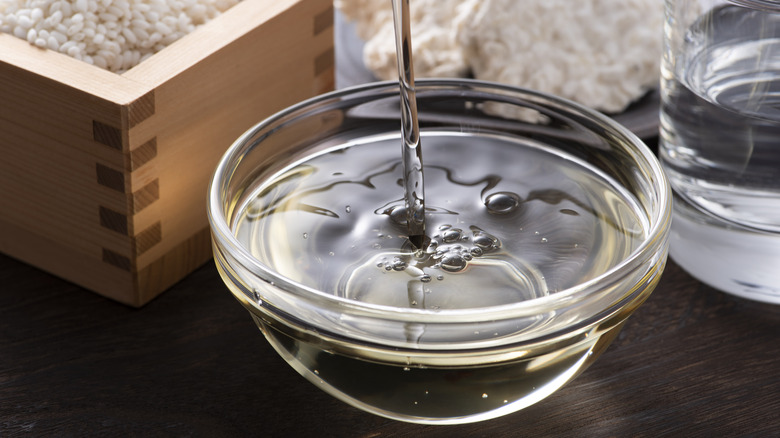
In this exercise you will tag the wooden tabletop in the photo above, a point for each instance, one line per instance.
(691, 362)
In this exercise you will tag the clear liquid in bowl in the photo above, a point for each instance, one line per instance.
(510, 220)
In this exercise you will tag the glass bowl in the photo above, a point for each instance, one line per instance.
(576, 203)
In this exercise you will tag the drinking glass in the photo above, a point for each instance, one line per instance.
(720, 141)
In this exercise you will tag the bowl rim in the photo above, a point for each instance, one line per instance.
(224, 238)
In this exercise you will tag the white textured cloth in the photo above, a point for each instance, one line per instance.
(601, 53)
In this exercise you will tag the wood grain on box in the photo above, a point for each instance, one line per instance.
(104, 176)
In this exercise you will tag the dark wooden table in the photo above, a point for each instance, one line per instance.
(691, 362)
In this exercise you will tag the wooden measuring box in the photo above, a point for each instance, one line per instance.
(103, 176)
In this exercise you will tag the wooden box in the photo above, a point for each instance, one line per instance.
(103, 176)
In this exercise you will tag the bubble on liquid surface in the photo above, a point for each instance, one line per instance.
(502, 202)
(397, 214)
(399, 265)
(448, 252)
(451, 235)
(485, 241)
(453, 263)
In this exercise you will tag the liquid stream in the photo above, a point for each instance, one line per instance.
(414, 186)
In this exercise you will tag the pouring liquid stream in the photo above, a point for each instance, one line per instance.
(413, 180)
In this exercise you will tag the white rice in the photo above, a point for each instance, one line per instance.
(602, 53)
(112, 34)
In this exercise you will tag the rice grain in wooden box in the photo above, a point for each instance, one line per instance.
(103, 176)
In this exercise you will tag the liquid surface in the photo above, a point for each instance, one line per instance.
(719, 146)
(509, 222)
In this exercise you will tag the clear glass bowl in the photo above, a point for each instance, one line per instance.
(440, 365)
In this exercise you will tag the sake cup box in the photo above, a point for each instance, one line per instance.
(103, 176)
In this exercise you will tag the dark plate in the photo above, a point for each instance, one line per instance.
(641, 117)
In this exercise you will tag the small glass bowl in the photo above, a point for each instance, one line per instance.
(463, 364)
